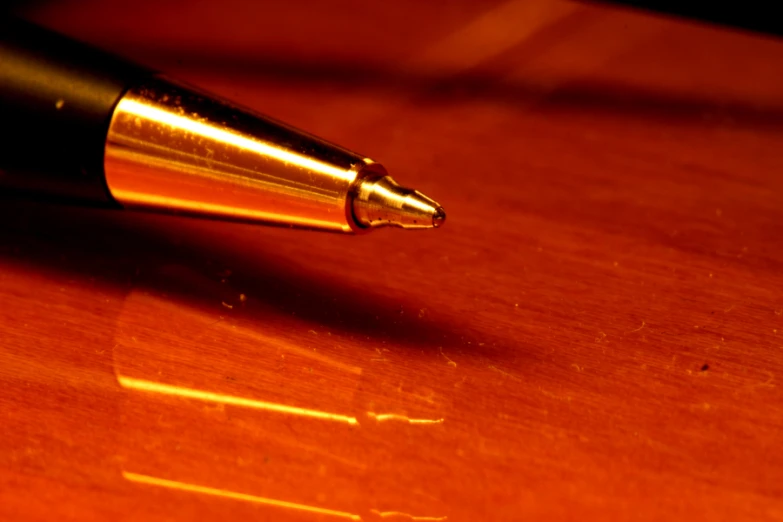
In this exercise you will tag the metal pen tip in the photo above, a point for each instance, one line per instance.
(439, 218)
(381, 202)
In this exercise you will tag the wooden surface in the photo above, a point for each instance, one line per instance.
(596, 333)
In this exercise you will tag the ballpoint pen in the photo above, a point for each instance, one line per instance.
(81, 125)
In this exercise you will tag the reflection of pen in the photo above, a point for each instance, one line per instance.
(85, 126)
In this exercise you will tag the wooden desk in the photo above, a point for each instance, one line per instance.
(596, 334)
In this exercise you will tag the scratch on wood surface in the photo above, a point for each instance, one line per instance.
(501, 372)
(319, 450)
(380, 351)
(601, 337)
(299, 350)
(245, 333)
(380, 417)
(752, 387)
(765, 384)
(636, 330)
(551, 395)
(387, 514)
(450, 362)
(430, 399)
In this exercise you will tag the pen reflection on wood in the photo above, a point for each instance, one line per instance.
(190, 393)
(204, 490)
(284, 412)
(193, 488)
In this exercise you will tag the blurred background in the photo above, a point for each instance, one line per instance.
(509, 52)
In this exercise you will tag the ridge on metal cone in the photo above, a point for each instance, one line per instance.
(439, 218)
(381, 202)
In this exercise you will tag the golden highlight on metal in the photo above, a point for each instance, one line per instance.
(229, 137)
(172, 149)
(190, 393)
(204, 490)
(288, 346)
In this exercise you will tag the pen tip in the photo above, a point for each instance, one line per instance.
(381, 202)
(439, 218)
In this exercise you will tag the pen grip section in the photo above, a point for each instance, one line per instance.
(56, 100)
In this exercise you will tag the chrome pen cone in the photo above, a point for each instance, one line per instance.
(381, 202)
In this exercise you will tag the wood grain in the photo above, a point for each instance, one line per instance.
(596, 334)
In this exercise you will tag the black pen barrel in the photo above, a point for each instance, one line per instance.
(56, 102)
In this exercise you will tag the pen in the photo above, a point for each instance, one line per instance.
(83, 126)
